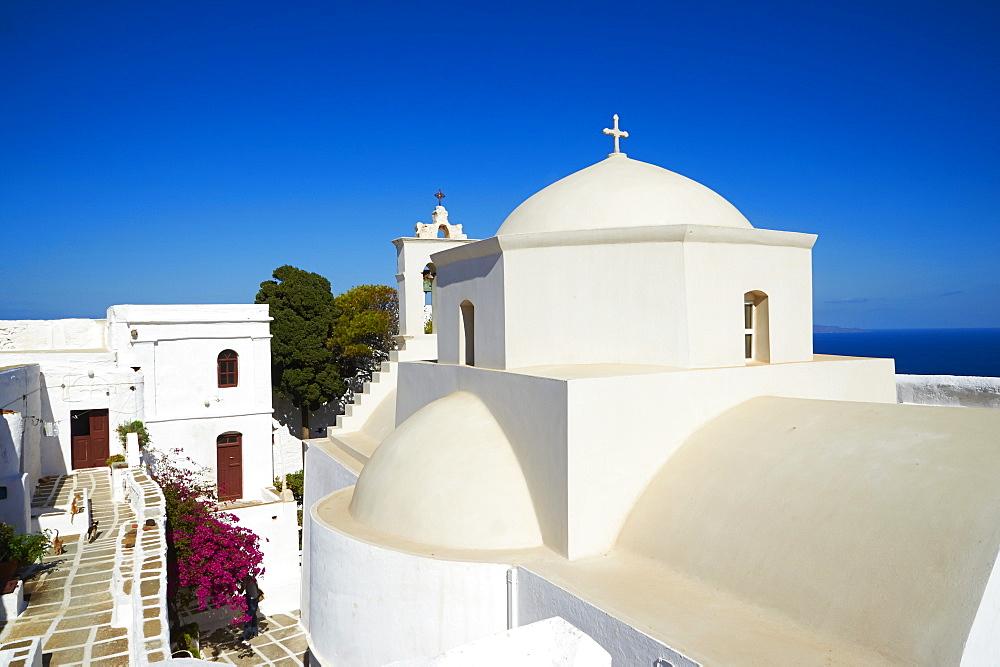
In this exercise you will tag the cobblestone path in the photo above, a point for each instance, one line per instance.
(281, 641)
(69, 596)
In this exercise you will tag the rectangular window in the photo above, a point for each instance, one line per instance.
(749, 346)
(227, 373)
(228, 367)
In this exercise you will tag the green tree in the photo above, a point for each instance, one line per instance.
(303, 309)
(363, 332)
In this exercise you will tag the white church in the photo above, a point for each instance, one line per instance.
(661, 460)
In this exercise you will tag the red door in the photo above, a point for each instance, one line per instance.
(90, 438)
(99, 438)
(81, 451)
(229, 464)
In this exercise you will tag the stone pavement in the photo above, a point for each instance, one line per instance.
(281, 641)
(69, 596)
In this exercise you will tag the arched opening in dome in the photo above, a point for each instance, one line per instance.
(467, 334)
(756, 338)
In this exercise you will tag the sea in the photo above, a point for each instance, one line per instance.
(921, 351)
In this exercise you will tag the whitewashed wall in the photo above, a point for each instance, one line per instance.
(323, 476)
(412, 255)
(629, 295)
(197, 437)
(538, 599)
(586, 458)
(286, 451)
(20, 435)
(277, 525)
(48, 335)
(88, 364)
(371, 606)
(177, 348)
(66, 385)
(950, 390)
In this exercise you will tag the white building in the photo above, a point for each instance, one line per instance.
(660, 458)
(198, 376)
(20, 435)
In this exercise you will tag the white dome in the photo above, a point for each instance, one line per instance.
(448, 477)
(621, 192)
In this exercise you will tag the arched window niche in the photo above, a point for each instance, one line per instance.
(756, 338)
(228, 368)
(467, 334)
(443, 231)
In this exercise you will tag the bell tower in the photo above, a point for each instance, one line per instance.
(415, 279)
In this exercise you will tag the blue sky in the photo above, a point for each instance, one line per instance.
(178, 152)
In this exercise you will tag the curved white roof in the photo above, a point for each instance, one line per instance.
(448, 477)
(621, 192)
(829, 511)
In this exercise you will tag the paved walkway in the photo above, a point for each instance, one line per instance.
(69, 596)
(281, 641)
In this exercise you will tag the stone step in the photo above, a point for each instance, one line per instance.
(382, 381)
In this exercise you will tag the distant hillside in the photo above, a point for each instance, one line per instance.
(825, 328)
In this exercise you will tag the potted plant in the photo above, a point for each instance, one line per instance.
(136, 427)
(117, 461)
(18, 549)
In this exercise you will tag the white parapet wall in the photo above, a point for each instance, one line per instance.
(139, 584)
(949, 390)
(286, 450)
(538, 599)
(540, 644)
(276, 524)
(70, 518)
(371, 605)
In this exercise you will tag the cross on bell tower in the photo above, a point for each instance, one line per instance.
(440, 195)
(617, 134)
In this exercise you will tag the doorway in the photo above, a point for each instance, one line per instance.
(90, 438)
(229, 465)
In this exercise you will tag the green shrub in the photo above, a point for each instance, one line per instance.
(25, 547)
(136, 427)
(115, 458)
(187, 638)
(293, 481)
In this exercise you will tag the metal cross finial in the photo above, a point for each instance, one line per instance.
(617, 134)
(440, 195)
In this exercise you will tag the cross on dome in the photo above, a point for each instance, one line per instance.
(617, 134)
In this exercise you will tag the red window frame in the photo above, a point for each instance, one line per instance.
(228, 368)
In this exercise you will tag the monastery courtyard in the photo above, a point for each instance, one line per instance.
(69, 599)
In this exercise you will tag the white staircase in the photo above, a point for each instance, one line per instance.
(372, 393)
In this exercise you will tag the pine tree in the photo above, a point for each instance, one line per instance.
(304, 368)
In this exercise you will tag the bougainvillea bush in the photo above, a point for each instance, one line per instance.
(208, 554)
